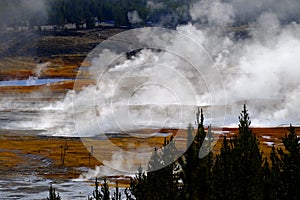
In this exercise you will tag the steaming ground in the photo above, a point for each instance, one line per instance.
(159, 89)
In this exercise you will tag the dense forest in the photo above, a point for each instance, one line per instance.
(167, 13)
(239, 171)
(121, 12)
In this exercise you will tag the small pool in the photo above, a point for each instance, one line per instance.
(31, 82)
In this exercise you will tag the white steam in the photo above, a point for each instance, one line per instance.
(155, 5)
(22, 10)
(214, 12)
(162, 89)
(250, 10)
(148, 90)
(159, 89)
(40, 69)
(133, 17)
(129, 163)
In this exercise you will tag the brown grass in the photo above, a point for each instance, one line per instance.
(45, 148)
(23, 154)
(275, 133)
(14, 151)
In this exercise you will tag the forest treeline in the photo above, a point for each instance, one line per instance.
(167, 13)
(60, 12)
(239, 171)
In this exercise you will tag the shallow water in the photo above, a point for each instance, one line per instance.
(31, 82)
(35, 188)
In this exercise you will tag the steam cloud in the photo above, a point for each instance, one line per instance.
(247, 11)
(119, 160)
(261, 70)
(285, 10)
(40, 68)
(216, 13)
(155, 5)
(134, 17)
(21, 11)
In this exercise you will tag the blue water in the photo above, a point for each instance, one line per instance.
(31, 82)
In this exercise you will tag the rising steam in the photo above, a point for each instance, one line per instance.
(133, 17)
(159, 88)
(162, 89)
(261, 70)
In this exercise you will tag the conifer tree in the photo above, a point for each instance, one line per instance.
(117, 193)
(291, 165)
(52, 194)
(247, 161)
(162, 178)
(128, 195)
(105, 194)
(238, 169)
(161, 181)
(223, 183)
(267, 181)
(138, 186)
(97, 194)
(276, 176)
(196, 166)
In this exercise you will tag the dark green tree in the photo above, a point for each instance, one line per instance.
(52, 194)
(223, 178)
(238, 169)
(285, 170)
(128, 195)
(163, 175)
(96, 193)
(103, 193)
(291, 165)
(247, 161)
(196, 163)
(276, 175)
(268, 193)
(138, 186)
(161, 180)
(117, 193)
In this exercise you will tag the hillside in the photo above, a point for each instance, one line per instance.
(20, 52)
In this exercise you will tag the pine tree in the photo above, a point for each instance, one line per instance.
(52, 194)
(247, 163)
(162, 176)
(138, 186)
(291, 165)
(196, 163)
(276, 175)
(128, 195)
(96, 194)
(223, 183)
(161, 181)
(117, 193)
(267, 181)
(105, 191)
(238, 169)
